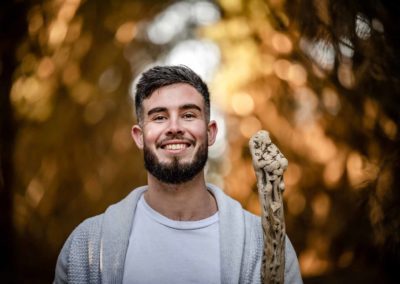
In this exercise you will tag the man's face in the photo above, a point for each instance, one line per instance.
(174, 134)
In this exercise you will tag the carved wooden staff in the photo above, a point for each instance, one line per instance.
(269, 165)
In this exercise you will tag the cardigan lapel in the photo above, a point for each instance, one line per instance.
(116, 229)
(117, 225)
(232, 235)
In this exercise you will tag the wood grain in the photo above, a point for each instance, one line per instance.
(269, 165)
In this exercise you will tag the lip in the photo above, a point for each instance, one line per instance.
(166, 143)
(175, 146)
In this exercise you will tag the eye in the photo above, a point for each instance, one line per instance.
(159, 117)
(189, 116)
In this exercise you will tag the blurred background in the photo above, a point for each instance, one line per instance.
(321, 76)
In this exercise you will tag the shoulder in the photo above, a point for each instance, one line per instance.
(292, 269)
(227, 203)
(231, 209)
(254, 240)
(85, 233)
(251, 218)
(81, 245)
(80, 256)
(87, 229)
(90, 229)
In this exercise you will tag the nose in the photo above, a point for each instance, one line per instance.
(175, 127)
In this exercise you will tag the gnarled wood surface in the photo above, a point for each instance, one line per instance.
(269, 165)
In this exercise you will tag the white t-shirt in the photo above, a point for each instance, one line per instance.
(165, 251)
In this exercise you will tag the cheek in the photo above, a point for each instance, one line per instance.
(151, 135)
(200, 132)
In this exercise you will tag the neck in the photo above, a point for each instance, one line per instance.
(187, 201)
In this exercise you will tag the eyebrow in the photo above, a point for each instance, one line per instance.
(156, 109)
(190, 106)
(164, 109)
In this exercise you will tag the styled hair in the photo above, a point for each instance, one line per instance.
(161, 76)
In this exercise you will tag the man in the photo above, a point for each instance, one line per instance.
(177, 229)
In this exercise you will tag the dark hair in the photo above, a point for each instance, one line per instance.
(160, 76)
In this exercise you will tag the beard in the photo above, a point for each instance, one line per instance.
(175, 172)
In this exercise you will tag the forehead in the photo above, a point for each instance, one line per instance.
(174, 96)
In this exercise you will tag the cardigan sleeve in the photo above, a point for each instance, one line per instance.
(62, 263)
(79, 259)
(292, 271)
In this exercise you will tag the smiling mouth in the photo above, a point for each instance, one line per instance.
(175, 146)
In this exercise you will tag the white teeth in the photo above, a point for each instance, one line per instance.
(175, 146)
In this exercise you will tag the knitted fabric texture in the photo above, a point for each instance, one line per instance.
(95, 251)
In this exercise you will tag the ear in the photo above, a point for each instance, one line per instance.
(212, 130)
(137, 135)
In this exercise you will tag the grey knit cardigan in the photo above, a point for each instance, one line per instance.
(95, 251)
